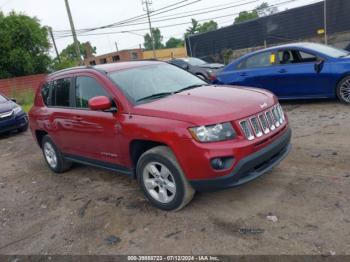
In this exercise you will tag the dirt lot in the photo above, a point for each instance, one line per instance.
(92, 211)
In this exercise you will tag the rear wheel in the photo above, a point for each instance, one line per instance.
(162, 180)
(53, 156)
(343, 90)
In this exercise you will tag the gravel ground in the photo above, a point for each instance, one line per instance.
(92, 211)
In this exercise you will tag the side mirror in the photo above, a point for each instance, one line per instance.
(14, 100)
(100, 103)
(319, 65)
(186, 67)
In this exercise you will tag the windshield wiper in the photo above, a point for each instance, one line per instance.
(157, 95)
(190, 87)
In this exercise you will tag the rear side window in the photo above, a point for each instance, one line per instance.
(45, 93)
(60, 92)
(259, 60)
(85, 89)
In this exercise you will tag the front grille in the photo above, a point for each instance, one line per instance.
(262, 124)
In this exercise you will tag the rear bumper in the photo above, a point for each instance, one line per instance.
(13, 123)
(250, 167)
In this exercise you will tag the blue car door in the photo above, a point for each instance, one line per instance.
(298, 76)
(254, 71)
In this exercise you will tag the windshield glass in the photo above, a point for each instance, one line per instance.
(2, 99)
(194, 61)
(329, 51)
(142, 82)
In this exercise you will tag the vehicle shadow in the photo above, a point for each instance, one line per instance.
(11, 134)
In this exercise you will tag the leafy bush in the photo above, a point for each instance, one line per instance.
(24, 98)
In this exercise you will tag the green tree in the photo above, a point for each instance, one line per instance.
(174, 42)
(24, 45)
(208, 26)
(193, 29)
(196, 27)
(261, 10)
(158, 39)
(86, 50)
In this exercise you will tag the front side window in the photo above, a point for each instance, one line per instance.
(60, 92)
(141, 82)
(295, 57)
(258, 60)
(45, 93)
(85, 89)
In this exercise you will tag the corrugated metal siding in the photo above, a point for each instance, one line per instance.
(19, 84)
(291, 25)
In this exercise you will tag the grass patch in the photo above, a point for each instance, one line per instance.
(24, 99)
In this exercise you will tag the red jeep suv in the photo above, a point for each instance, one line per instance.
(155, 122)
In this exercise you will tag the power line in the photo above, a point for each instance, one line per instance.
(172, 25)
(139, 17)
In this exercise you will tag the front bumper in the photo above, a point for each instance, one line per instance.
(250, 167)
(14, 122)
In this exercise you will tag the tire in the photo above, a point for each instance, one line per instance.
(343, 90)
(167, 189)
(53, 156)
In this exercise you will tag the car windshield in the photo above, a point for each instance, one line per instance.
(154, 81)
(194, 61)
(2, 99)
(329, 51)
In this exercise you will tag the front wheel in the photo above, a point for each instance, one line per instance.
(343, 90)
(162, 180)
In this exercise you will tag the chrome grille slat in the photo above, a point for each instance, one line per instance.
(256, 127)
(264, 124)
(259, 125)
(245, 126)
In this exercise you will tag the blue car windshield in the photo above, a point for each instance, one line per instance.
(2, 99)
(329, 51)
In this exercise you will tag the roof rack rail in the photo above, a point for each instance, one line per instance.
(77, 67)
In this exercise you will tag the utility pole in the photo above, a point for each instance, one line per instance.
(147, 3)
(116, 46)
(54, 44)
(76, 43)
(325, 22)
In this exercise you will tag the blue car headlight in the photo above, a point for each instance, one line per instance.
(213, 133)
(18, 110)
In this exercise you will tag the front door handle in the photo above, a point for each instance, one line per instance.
(77, 118)
(282, 71)
(243, 74)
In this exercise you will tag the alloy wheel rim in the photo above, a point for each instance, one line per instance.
(159, 182)
(345, 90)
(50, 155)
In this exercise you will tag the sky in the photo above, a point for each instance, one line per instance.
(88, 14)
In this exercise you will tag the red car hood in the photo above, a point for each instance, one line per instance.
(209, 104)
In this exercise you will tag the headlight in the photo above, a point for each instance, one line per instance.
(17, 110)
(213, 133)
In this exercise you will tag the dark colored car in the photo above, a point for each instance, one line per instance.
(198, 67)
(294, 71)
(12, 117)
(159, 124)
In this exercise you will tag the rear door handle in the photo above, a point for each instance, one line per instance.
(243, 74)
(282, 71)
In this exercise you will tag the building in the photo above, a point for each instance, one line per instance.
(118, 56)
(166, 53)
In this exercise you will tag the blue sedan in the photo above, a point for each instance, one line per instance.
(12, 117)
(293, 71)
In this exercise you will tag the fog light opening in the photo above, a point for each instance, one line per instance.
(220, 163)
